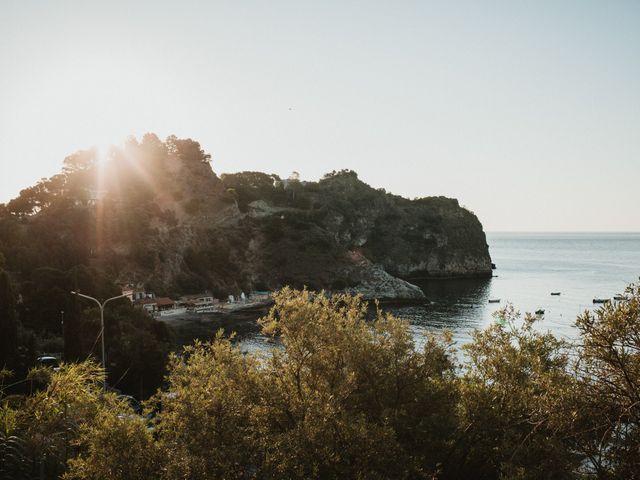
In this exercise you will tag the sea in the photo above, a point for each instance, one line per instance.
(529, 266)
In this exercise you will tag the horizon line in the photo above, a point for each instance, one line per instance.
(566, 231)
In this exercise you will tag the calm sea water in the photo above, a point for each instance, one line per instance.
(529, 267)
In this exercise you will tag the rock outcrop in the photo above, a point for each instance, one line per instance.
(375, 283)
(341, 234)
(412, 239)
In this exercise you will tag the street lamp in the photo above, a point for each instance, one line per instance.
(101, 306)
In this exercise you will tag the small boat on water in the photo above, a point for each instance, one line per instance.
(600, 300)
(540, 311)
(620, 297)
(494, 300)
(555, 293)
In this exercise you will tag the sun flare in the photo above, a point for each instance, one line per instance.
(103, 154)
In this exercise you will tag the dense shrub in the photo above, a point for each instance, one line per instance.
(346, 397)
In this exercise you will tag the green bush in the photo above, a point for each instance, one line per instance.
(347, 397)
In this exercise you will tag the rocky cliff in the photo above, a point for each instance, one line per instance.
(155, 212)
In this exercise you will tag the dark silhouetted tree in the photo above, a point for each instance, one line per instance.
(8, 322)
(72, 328)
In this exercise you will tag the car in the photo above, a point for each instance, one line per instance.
(49, 361)
(132, 402)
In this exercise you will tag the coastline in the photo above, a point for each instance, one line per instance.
(241, 319)
(203, 326)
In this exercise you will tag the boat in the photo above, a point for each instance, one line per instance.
(620, 297)
(600, 300)
(555, 293)
(172, 311)
(540, 311)
(494, 300)
(206, 309)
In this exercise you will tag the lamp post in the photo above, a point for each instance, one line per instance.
(101, 306)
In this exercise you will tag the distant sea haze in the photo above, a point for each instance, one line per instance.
(581, 266)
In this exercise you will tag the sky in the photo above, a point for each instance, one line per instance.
(527, 112)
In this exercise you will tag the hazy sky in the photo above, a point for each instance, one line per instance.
(527, 112)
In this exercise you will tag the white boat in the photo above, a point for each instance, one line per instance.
(206, 309)
(173, 311)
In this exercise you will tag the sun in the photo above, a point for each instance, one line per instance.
(103, 154)
(102, 158)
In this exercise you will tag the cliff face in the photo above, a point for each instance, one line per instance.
(424, 238)
(339, 233)
(158, 214)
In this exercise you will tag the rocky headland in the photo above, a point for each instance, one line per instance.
(156, 213)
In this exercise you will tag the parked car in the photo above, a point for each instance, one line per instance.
(133, 403)
(49, 361)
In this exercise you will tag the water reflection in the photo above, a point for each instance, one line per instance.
(458, 305)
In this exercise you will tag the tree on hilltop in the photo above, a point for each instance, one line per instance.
(80, 161)
(187, 149)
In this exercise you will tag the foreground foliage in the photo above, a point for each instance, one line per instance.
(346, 396)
